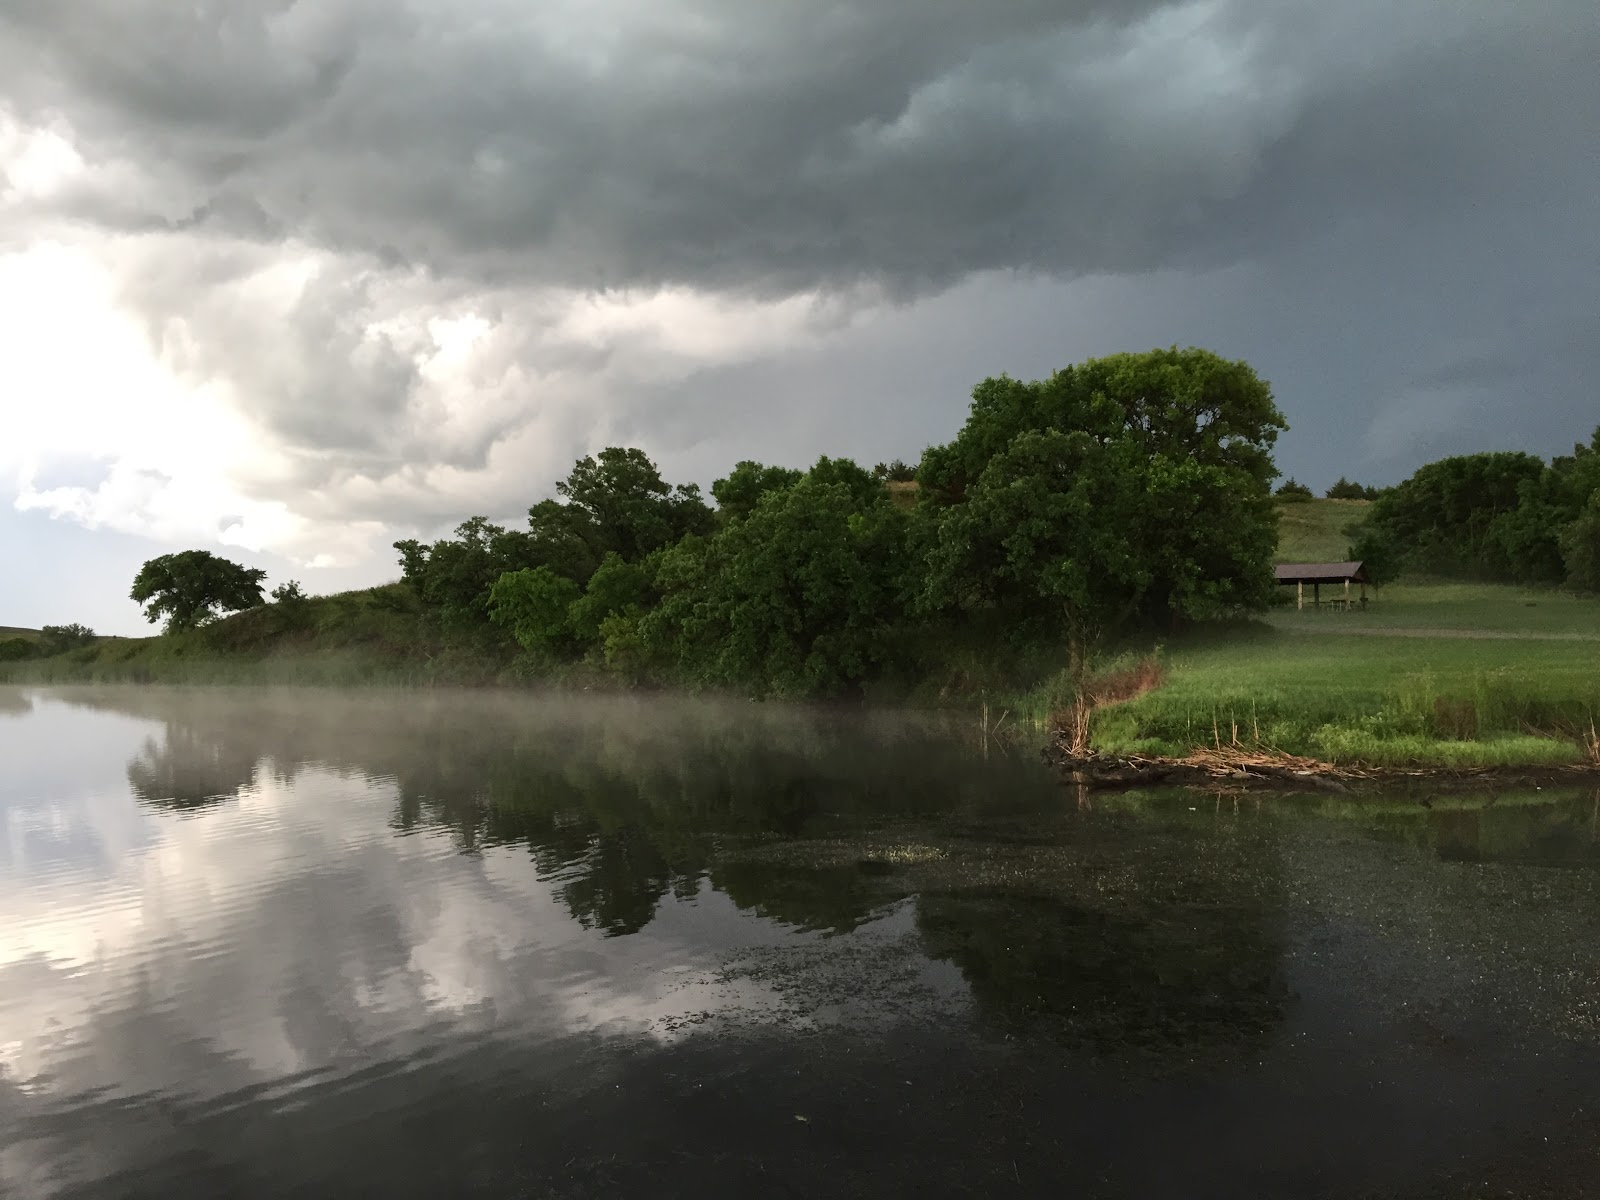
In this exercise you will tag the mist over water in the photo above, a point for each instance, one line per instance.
(431, 943)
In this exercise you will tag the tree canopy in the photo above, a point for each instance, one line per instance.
(612, 503)
(802, 596)
(738, 493)
(191, 587)
(1505, 516)
(1133, 486)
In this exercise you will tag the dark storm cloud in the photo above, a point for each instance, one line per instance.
(790, 145)
(1388, 208)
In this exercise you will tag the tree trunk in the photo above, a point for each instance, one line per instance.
(1082, 699)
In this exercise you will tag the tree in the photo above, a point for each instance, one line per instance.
(1346, 490)
(613, 503)
(453, 576)
(621, 504)
(1444, 518)
(1376, 553)
(190, 587)
(802, 596)
(616, 587)
(1291, 492)
(865, 490)
(292, 605)
(1120, 489)
(1581, 545)
(898, 471)
(58, 639)
(738, 494)
(17, 649)
(533, 604)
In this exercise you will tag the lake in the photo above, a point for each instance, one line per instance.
(298, 943)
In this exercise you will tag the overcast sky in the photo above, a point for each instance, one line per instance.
(292, 280)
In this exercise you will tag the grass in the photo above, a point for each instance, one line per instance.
(373, 636)
(1466, 607)
(902, 493)
(11, 631)
(1314, 530)
(1373, 701)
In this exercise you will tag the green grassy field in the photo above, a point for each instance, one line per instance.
(1421, 605)
(1379, 701)
(12, 631)
(1314, 531)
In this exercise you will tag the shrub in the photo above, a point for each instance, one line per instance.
(16, 649)
(58, 639)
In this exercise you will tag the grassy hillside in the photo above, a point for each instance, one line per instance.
(1314, 530)
(12, 631)
(375, 635)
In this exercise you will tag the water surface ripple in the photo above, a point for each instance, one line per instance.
(294, 943)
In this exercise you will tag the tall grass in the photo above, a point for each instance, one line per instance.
(1376, 701)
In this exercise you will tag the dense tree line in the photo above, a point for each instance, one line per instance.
(1504, 516)
(1125, 490)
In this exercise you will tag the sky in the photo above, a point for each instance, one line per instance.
(292, 280)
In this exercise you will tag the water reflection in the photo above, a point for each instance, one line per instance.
(815, 821)
(336, 905)
(188, 769)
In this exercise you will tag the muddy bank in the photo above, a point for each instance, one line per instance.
(1236, 768)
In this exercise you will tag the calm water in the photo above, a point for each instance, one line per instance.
(320, 944)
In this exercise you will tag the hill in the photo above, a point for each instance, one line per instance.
(12, 631)
(374, 635)
(1314, 530)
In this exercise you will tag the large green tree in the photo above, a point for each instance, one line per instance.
(804, 595)
(618, 503)
(191, 587)
(1129, 488)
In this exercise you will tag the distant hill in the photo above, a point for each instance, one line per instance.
(1314, 531)
(13, 631)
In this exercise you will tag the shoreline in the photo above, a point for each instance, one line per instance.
(1230, 766)
(1262, 771)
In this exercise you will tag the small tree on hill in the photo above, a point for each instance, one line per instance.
(1348, 490)
(58, 639)
(898, 471)
(1292, 492)
(292, 604)
(190, 588)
